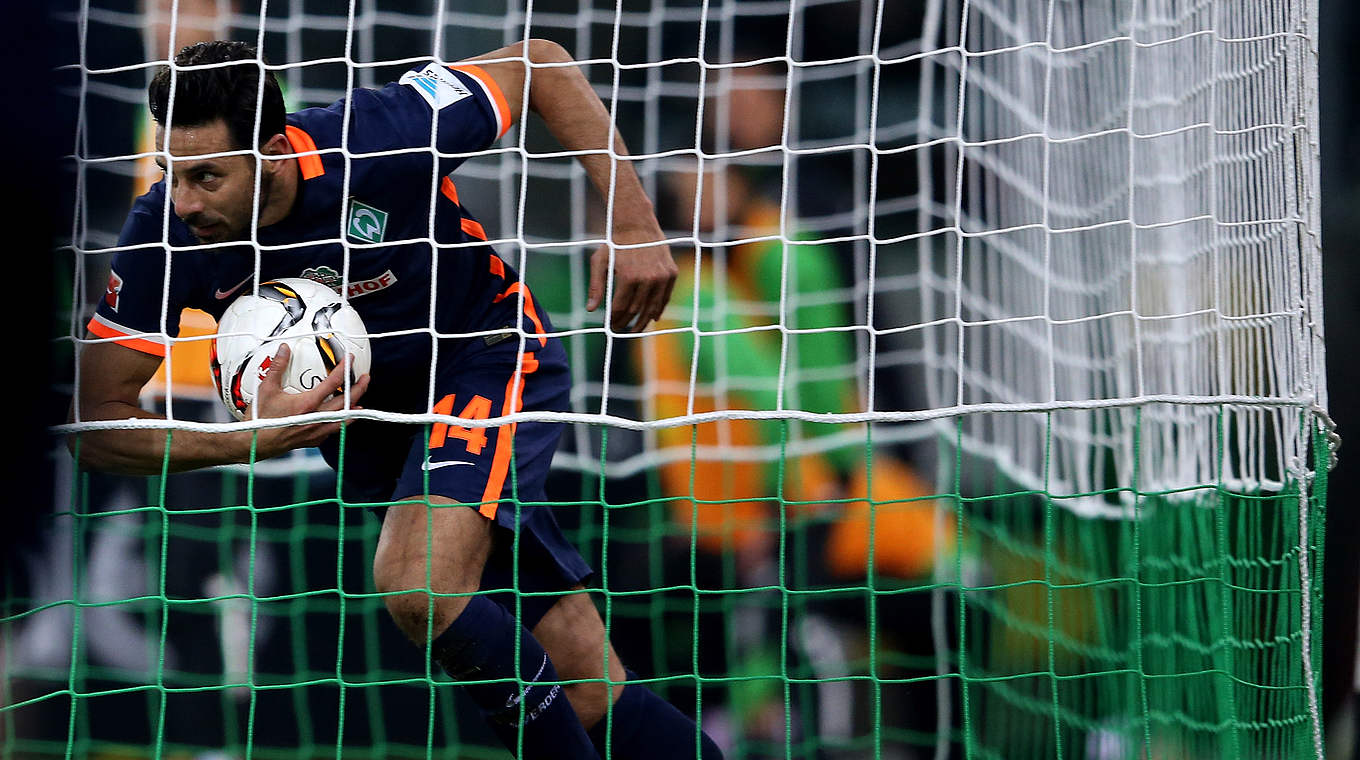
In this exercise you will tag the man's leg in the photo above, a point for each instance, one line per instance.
(643, 724)
(444, 548)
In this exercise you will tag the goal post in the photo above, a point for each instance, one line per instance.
(987, 419)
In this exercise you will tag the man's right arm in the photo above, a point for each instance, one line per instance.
(111, 381)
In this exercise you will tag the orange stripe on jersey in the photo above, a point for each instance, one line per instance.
(99, 329)
(505, 437)
(303, 143)
(497, 97)
(529, 310)
(473, 229)
(446, 187)
(497, 266)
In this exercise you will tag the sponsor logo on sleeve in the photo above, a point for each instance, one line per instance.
(115, 287)
(436, 84)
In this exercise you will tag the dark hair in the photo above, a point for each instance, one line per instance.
(221, 92)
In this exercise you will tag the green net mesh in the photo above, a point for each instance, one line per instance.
(1183, 631)
(173, 626)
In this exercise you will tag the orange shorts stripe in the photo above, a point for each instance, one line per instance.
(529, 309)
(473, 229)
(310, 165)
(446, 187)
(497, 97)
(497, 266)
(505, 437)
(102, 330)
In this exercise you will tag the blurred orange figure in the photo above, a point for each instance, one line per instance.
(762, 327)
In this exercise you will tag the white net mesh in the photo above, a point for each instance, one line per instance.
(676, 76)
(1132, 219)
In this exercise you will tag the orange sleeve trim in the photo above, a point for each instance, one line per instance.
(505, 437)
(102, 330)
(302, 142)
(446, 187)
(474, 229)
(497, 266)
(494, 90)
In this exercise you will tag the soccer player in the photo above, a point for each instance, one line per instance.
(350, 195)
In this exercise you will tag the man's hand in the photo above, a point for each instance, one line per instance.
(643, 281)
(273, 401)
(111, 379)
(575, 115)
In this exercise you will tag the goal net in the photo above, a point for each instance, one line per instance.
(987, 419)
(1122, 271)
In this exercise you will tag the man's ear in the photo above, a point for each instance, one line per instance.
(277, 145)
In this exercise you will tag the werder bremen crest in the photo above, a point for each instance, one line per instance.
(366, 224)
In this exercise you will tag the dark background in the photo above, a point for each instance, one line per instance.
(36, 123)
(1341, 274)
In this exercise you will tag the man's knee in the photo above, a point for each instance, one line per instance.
(591, 699)
(418, 613)
(424, 555)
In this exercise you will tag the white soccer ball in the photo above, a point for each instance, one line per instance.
(319, 328)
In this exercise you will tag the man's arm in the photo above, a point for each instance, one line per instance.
(574, 114)
(111, 381)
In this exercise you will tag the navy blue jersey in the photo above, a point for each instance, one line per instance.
(362, 225)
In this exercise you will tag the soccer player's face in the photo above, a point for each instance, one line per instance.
(214, 195)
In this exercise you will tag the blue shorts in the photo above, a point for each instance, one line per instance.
(499, 471)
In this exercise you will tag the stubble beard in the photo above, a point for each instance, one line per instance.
(240, 230)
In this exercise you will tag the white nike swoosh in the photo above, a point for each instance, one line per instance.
(220, 294)
(513, 700)
(428, 465)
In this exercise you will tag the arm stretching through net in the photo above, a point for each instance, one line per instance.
(560, 94)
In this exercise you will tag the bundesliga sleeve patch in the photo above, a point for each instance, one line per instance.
(436, 84)
(114, 289)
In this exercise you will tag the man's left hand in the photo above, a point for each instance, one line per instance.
(643, 281)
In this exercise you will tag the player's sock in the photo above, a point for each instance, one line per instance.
(647, 726)
(480, 645)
